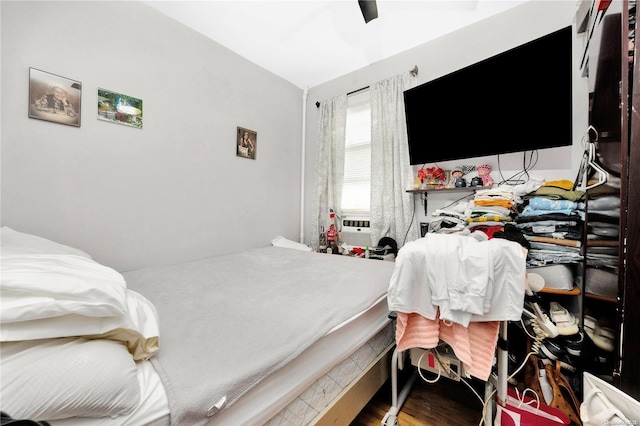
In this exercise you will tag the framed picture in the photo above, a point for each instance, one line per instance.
(54, 98)
(246, 143)
(118, 108)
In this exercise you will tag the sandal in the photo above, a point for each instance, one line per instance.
(598, 410)
(566, 323)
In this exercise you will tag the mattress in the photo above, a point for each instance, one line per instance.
(295, 394)
(229, 322)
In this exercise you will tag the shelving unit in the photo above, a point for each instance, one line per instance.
(611, 67)
(574, 292)
(425, 191)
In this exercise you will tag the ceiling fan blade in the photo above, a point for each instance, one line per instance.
(369, 9)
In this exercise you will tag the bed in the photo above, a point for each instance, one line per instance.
(273, 335)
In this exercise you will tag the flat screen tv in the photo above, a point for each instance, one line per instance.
(518, 100)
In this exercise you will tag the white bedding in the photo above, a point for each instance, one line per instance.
(152, 408)
(293, 395)
(71, 332)
(60, 378)
(311, 336)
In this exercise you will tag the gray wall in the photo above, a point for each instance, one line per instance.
(175, 190)
(452, 52)
(172, 191)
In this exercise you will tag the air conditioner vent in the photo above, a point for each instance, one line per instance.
(353, 223)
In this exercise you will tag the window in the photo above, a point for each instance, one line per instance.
(356, 190)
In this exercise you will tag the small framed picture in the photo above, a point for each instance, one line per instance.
(246, 143)
(118, 108)
(54, 98)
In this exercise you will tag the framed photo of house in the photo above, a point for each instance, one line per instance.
(246, 143)
(118, 108)
(54, 98)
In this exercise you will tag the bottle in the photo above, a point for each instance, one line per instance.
(322, 241)
(366, 252)
(332, 235)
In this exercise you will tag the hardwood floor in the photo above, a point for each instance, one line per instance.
(444, 403)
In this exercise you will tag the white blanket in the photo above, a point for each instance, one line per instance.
(229, 321)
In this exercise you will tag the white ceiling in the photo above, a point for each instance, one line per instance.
(309, 42)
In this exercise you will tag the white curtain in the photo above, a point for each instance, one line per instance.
(392, 207)
(329, 170)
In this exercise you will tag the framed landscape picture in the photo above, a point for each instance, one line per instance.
(54, 98)
(118, 108)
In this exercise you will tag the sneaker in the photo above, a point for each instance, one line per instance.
(534, 311)
(602, 337)
(551, 350)
(551, 353)
(573, 343)
(564, 320)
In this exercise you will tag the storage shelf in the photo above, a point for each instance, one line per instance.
(425, 191)
(573, 292)
(608, 299)
(459, 189)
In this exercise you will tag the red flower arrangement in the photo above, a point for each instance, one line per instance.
(431, 173)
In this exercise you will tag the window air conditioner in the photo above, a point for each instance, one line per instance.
(356, 230)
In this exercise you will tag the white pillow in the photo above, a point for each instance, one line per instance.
(38, 286)
(61, 378)
(139, 329)
(44, 279)
(281, 241)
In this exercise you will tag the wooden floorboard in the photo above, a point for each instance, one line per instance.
(444, 403)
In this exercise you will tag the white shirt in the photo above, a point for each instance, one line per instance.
(467, 279)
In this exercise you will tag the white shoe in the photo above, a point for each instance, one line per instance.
(602, 337)
(566, 323)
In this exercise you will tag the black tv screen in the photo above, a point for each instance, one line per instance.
(518, 100)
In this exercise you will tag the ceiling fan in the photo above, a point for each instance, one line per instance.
(369, 10)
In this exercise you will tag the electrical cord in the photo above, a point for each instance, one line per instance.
(537, 340)
(448, 370)
(538, 336)
(523, 175)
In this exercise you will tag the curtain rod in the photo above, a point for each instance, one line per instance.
(358, 90)
(413, 72)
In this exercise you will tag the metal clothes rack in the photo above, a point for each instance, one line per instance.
(497, 382)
